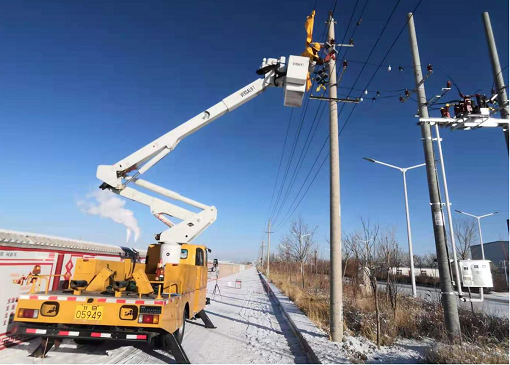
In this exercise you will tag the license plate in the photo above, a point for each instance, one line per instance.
(89, 312)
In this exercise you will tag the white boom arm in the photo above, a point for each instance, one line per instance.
(115, 177)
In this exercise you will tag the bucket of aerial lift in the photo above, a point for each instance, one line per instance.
(170, 253)
(295, 83)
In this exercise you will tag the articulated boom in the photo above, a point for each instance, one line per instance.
(116, 179)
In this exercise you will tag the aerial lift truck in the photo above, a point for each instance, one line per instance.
(147, 302)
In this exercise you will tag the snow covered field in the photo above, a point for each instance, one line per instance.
(250, 329)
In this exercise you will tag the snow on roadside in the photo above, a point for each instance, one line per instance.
(352, 349)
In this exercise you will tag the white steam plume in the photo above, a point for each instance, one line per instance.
(107, 205)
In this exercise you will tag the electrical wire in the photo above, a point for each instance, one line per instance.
(327, 155)
(275, 210)
(308, 140)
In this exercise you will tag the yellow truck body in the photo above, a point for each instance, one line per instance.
(120, 300)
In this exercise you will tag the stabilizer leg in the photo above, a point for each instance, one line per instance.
(205, 318)
(173, 346)
(43, 348)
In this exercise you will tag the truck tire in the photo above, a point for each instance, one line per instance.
(179, 332)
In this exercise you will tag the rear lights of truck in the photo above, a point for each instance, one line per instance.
(148, 318)
(28, 313)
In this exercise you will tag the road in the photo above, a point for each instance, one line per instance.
(494, 303)
(250, 329)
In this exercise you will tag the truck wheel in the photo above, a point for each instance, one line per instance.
(179, 332)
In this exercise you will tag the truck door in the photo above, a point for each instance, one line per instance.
(200, 288)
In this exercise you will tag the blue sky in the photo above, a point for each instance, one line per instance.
(87, 82)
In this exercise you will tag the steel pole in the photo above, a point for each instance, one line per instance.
(449, 211)
(451, 314)
(409, 239)
(336, 306)
(496, 71)
(481, 239)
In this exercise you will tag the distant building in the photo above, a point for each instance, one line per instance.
(495, 251)
(424, 271)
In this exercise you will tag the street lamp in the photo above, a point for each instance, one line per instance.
(409, 239)
(478, 217)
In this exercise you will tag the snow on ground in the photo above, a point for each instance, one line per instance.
(352, 349)
(250, 329)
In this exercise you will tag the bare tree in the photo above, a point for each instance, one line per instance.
(369, 241)
(297, 244)
(465, 231)
(391, 258)
(430, 260)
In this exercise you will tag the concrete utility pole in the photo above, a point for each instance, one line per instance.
(336, 305)
(449, 211)
(268, 244)
(448, 298)
(262, 256)
(496, 70)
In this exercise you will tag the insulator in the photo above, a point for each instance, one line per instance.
(407, 93)
(401, 99)
(351, 42)
(378, 93)
(400, 68)
(373, 100)
(389, 67)
(359, 22)
(448, 84)
(344, 63)
(429, 67)
(366, 92)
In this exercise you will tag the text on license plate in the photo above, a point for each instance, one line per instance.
(87, 311)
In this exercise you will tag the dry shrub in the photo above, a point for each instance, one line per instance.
(466, 354)
(414, 319)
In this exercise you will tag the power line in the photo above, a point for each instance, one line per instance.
(291, 157)
(384, 58)
(327, 155)
(314, 125)
(281, 159)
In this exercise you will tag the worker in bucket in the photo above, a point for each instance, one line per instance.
(312, 53)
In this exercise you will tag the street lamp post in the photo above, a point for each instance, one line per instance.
(504, 265)
(409, 239)
(478, 217)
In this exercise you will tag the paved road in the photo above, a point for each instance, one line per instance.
(250, 329)
(496, 303)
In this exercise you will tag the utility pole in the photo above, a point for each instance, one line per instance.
(268, 244)
(336, 305)
(262, 256)
(496, 70)
(449, 301)
(449, 211)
